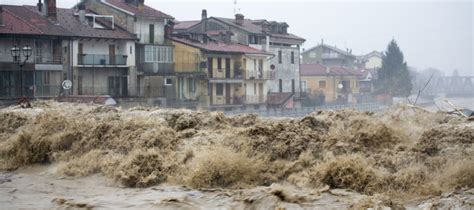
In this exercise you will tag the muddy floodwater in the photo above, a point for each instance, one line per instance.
(62, 155)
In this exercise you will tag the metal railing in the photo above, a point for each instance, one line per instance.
(55, 59)
(225, 101)
(102, 60)
(253, 74)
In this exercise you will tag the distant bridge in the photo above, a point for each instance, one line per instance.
(454, 86)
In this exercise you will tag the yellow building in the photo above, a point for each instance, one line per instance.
(336, 84)
(220, 76)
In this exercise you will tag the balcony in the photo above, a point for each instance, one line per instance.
(158, 69)
(223, 101)
(257, 75)
(55, 59)
(102, 60)
(226, 76)
(49, 63)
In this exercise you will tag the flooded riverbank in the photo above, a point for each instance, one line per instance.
(103, 157)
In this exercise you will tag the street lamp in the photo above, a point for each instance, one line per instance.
(16, 54)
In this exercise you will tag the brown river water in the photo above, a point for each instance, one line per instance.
(61, 155)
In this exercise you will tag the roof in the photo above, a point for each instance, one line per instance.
(70, 22)
(251, 27)
(374, 53)
(182, 25)
(333, 48)
(20, 20)
(145, 11)
(309, 70)
(248, 25)
(287, 36)
(221, 47)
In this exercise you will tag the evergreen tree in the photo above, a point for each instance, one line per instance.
(393, 77)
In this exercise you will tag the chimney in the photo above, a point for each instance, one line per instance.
(40, 6)
(1, 15)
(239, 19)
(328, 70)
(228, 37)
(51, 9)
(204, 14)
(82, 14)
(169, 29)
(141, 4)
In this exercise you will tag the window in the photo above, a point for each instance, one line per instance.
(158, 54)
(292, 57)
(131, 50)
(219, 89)
(191, 85)
(152, 33)
(280, 85)
(255, 88)
(322, 84)
(219, 63)
(260, 65)
(312, 55)
(168, 82)
(253, 39)
(245, 64)
(255, 64)
(279, 57)
(303, 86)
(293, 86)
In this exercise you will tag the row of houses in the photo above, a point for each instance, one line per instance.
(132, 52)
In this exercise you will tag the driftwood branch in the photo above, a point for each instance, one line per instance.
(422, 89)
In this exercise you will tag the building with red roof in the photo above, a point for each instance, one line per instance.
(66, 44)
(154, 53)
(270, 36)
(336, 83)
(220, 75)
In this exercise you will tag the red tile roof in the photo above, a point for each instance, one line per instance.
(221, 47)
(21, 20)
(145, 11)
(309, 70)
(69, 21)
(27, 20)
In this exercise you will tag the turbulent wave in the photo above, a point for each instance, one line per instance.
(401, 153)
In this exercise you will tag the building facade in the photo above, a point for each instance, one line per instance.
(221, 76)
(336, 84)
(153, 49)
(329, 56)
(47, 65)
(269, 36)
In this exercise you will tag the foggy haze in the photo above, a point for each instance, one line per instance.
(430, 33)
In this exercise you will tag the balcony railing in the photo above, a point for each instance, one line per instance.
(157, 68)
(102, 60)
(55, 59)
(252, 74)
(225, 101)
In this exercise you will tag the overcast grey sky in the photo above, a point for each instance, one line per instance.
(430, 33)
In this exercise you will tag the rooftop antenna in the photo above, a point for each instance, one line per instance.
(235, 7)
